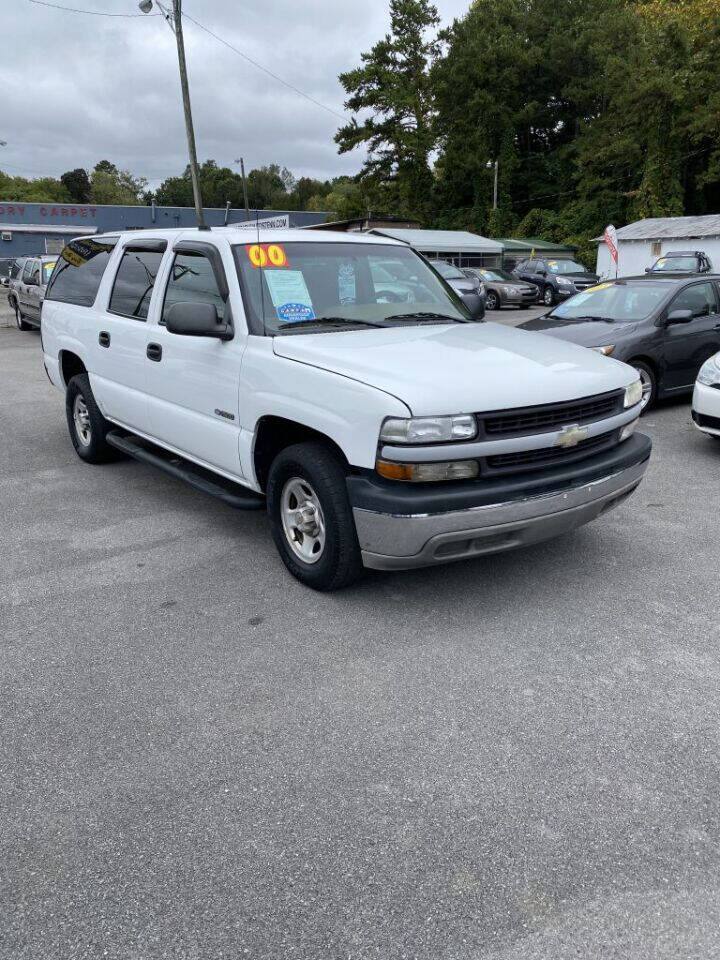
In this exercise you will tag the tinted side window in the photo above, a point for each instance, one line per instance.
(79, 270)
(134, 282)
(700, 298)
(27, 270)
(530, 266)
(192, 281)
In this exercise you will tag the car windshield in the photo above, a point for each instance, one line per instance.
(447, 270)
(566, 266)
(319, 286)
(675, 264)
(498, 276)
(620, 302)
(47, 268)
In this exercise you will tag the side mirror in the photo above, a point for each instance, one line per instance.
(680, 316)
(474, 303)
(648, 269)
(196, 320)
(542, 272)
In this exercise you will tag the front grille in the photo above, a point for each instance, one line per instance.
(529, 420)
(584, 284)
(525, 460)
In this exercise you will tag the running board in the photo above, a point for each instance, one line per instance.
(181, 469)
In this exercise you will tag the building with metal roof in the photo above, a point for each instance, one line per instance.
(642, 242)
(460, 247)
(517, 249)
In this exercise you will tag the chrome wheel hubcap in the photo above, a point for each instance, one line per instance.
(303, 520)
(81, 419)
(646, 388)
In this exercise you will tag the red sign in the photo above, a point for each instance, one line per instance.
(62, 212)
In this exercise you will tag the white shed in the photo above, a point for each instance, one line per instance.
(641, 243)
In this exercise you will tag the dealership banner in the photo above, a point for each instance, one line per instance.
(277, 223)
(610, 238)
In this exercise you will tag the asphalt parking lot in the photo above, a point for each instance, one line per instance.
(508, 759)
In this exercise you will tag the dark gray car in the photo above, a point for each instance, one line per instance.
(27, 290)
(503, 289)
(456, 278)
(555, 279)
(665, 327)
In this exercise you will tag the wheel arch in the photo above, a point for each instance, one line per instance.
(70, 365)
(274, 434)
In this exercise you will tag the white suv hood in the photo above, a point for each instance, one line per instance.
(460, 368)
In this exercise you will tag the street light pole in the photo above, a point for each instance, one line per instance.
(174, 21)
(244, 183)
(489, 166)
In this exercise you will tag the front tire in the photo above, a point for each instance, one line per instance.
(492, 301)
(19, 321)
(649, 384)
(548, 297)
(311, 518)
(88, 428)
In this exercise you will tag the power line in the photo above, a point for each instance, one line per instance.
(92, 13)
(264, 69)
(225, 43)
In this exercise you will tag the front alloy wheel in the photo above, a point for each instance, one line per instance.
(548, 297)
(302, 519)
(649, 387)
(492, 302)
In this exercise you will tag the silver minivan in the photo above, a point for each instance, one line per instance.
(27, 290)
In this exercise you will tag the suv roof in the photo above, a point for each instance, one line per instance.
(241, 236)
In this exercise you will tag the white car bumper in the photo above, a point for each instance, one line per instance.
(706, 408)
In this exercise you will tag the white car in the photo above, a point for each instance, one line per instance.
(270, 370)
(706, 397)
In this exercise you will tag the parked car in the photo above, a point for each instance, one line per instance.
(706, 397)
(555, 279)
(503, 289)
(27, 290)
(665, 327)
(388, 435)
(461, 283)
(682, 261)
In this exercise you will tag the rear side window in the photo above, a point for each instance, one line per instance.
(27, 272)
(192, 280)
(134, 283)
(16, 268)
(80, 267)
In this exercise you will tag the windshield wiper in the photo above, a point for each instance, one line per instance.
(422, 315)
(601, 319)
(331, 320)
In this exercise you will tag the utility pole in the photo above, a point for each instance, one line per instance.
(174, 21)
(489, 166)
(244, 182)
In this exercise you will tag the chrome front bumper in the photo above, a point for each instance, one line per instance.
(402, 541)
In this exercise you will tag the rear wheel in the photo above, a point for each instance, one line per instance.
(311, 518)
(20, 322)
(548, 296)
(649, 384)
(492, 301)
(87, 425)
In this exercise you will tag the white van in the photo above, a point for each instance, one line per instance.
(379, 424)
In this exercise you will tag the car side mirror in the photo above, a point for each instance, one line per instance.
(680, 316)
(648, 269)
(473, 302)
(188, 319)
(542, 273)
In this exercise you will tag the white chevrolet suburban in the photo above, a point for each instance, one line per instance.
(337, 381)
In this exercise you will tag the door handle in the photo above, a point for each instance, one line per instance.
(104, 338)
(154, 352)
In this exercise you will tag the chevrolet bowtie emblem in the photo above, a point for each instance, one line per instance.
(571, 436)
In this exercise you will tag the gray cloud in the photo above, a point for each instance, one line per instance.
(77, 89)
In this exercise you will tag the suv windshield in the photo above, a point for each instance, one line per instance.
(566, 266)
(675, 265)
(322, 286)
(610, 301)
(47, 267)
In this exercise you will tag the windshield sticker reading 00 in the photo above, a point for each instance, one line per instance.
(267, 255)
(290, 295)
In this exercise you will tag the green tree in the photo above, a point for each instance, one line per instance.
(109, 185)
(77, 184)
(394, 85)
(40, 190)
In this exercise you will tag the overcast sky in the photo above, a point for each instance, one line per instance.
(77, 88)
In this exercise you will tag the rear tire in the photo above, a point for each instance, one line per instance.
(311, 518)
(21, 323)
(88, 428)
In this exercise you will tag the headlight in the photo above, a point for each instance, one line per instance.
(564, 282)
(633, 394)
(605, 351)
(429, 429)
(710, 371)
(428, 472)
